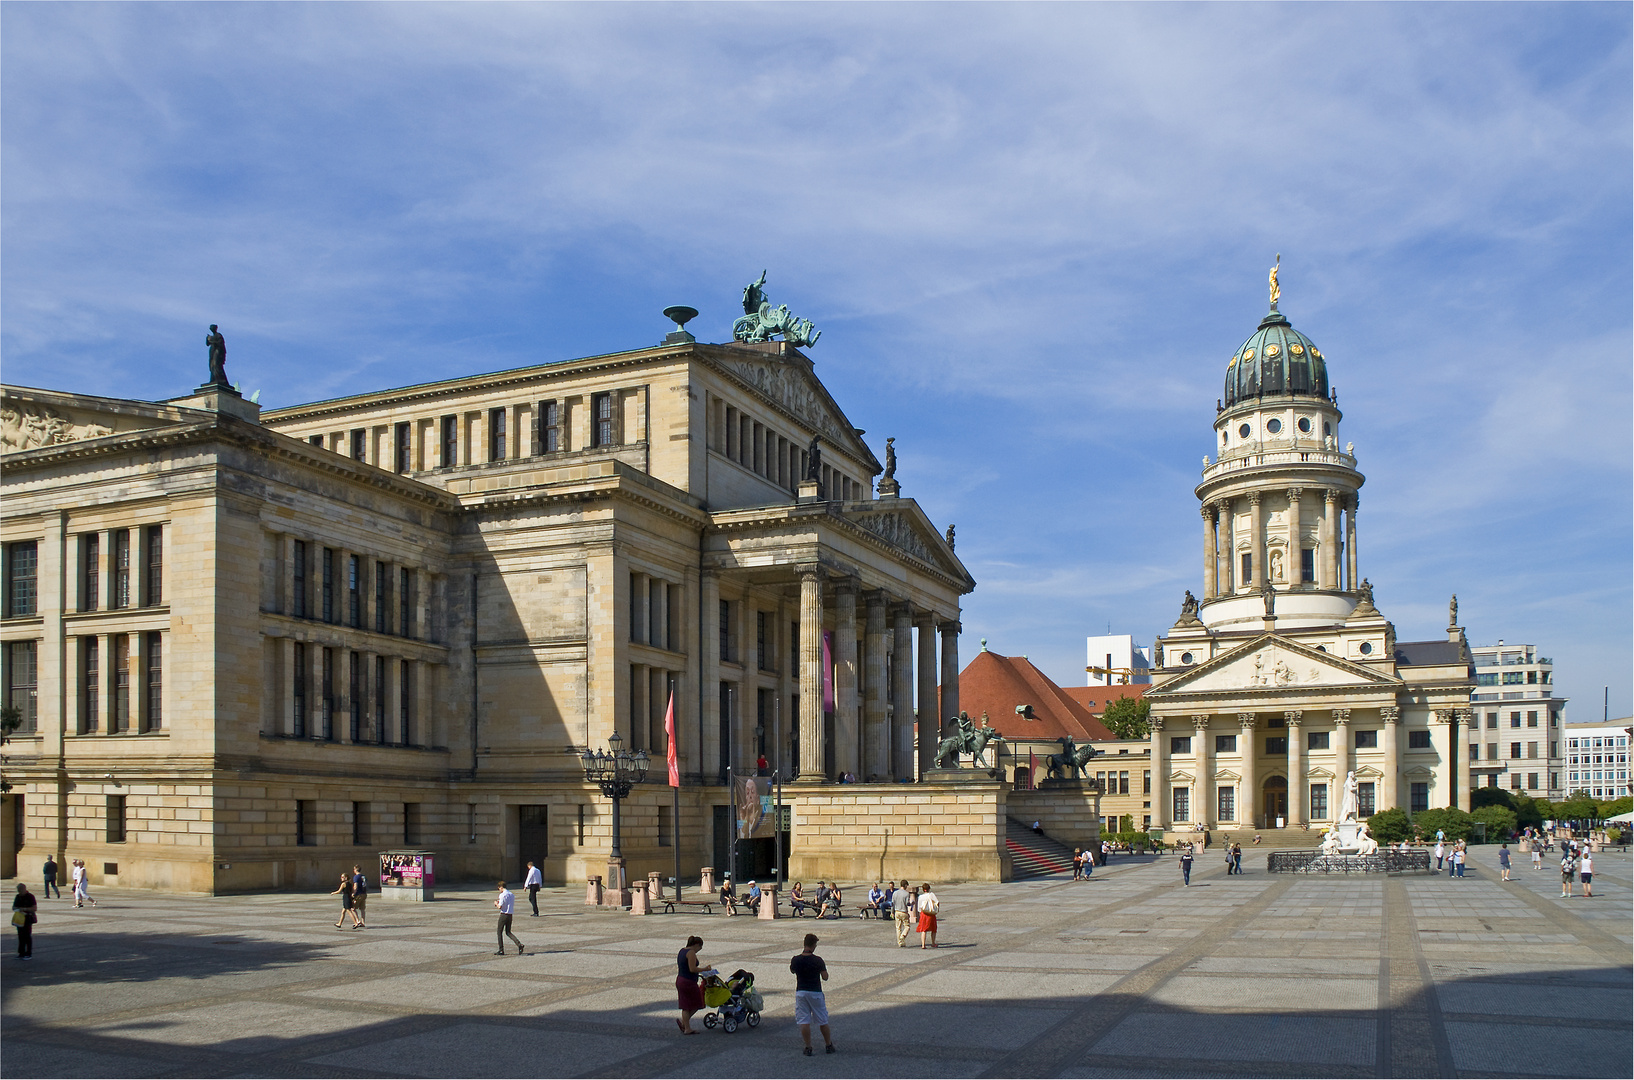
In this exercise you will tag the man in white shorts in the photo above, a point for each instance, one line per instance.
(809, 1006)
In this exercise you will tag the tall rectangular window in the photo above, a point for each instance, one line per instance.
(116, 819)
(1180, 744)
(1225, 744)
(306, 822)
(450, 442)
(22, 681)
(1319, 802)
(403, 439)
(1492, 718)
(601, 419)
(1418, 797)
(1532, 718)
(1182, 804)
(121, 569)
(379, 703)
(411, 824)
(1316, 740)
(90, 714)
(360, 824)
(1228, 804)
(405, 602)
(1366, 800)
(550, 427)
(382, 598)
(90, 580)
(153, 718)
(354, 591)
(496, 434)
(1418, 740)
(297, 692)
(22, 578)
(328, 574)
(354, 694)
(1307, 565)
(326, 700)
(763, 659)
(360, 444)
(154, 538)
(1276, 745)
(120, 720)
(726, 631)
(1247, 576)
(1367, 740)
(299, 573)
(1146, 782)
(1514, 750)
(405, 701)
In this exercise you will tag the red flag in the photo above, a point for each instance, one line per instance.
(1032, 769)
(669, 733)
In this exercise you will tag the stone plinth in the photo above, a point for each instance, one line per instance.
(592, 891)
(706, 880)
(1068, 810)
(936, 831)
(768, 904)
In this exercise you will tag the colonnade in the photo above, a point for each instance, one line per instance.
(1334, 561)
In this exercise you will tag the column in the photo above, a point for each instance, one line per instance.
(876, 732)
(1256, 541)
(901, 693)
(394, 701)
(1461, 745)
(1211, 552)
(374, 729)
(813, 768)
(1330, 550)
(1341, 749)
(1228, 572)
(1390, 797)
(1248, 796)
(1205, 808)
(930, 727)
(1295, 543)
(1351, 579)
(847, 735)
(1446, 742)
(709, 678)
(950, 673)
(1160, 776)
(785, 690)
(1296, 766)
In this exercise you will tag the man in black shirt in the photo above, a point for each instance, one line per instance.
(809, 1006)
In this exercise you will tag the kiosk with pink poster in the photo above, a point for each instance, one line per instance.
(407, 875)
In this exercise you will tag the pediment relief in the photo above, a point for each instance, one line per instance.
(1272, 663)
(797, 391)
(1226, 774)
(1368, 772)
(1419, 772)
(30, 419)
(1319, 773)
(899, 523)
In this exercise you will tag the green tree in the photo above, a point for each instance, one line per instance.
(1613, 807)
(1448, 819)
(1490, 796)
(1128, 718)
(1578, 806)
(1500, 821)
(1530, 812)
(1390, 826)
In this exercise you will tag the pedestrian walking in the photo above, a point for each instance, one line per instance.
(900, 900)
(82, 884)
(810, 1007)
(1568, 867)
(360, 896)
(1185, 865)
(532, 883)
(1440, 855)
(1585, 865)
(24, 914)
(506, 903)
(929, 907)
(1089, 863)
(50, 872)
(1077, 863)
(688, 991)
(1237, 857)
(1503, 860)
(346, 910)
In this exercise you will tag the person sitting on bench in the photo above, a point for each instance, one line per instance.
(875, 897)
(831, 905)
(729, 898)
(798, 901)
(753, 899)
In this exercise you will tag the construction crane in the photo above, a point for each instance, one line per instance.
(1124, 674)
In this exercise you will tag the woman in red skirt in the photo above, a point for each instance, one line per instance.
(928, 907)
(687, 988)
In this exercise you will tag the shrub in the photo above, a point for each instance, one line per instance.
(1448, 819)
(1500, 822)
(1389, 826)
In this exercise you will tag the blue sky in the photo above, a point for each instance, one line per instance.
(1031, 235)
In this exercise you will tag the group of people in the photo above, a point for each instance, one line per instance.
(25, 906)
(1453, 857)
(354, 898)
(808, 969)
(825, 903)
(78, 877)
(1234, 858)
(1576, 859)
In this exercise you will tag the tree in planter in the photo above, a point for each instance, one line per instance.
(1500, 822)
(1128, 718)
(1447, 819)
(1390, 826)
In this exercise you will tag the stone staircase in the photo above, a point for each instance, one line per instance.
(1033, 856)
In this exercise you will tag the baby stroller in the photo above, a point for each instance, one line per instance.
(735, 1001)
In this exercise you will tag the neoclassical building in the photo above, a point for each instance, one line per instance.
(253, 648)
(1283, 676)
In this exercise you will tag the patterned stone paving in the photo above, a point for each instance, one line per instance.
(1128, 974)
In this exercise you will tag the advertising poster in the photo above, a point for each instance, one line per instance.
(754, 806)
(409, 871)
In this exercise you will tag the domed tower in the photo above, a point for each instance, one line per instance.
(1279, 503)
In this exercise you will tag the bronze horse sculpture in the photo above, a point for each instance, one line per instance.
(967, 738)
(1071, 760)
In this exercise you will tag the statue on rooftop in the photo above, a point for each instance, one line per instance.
(950, 537)
(814, 460)
(1452, 611)
(760, 320)
(1188, 606)
(1276, 289)
(890, 457)
(218, 357)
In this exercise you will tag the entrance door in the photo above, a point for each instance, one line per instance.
(723, 841)
(1275, 801)
(533, 838)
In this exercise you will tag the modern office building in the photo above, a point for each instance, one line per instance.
(1115, 660)
(1597, 758)
(1515, 735)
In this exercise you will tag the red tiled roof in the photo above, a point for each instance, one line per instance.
(1097, 698)
(996, 684)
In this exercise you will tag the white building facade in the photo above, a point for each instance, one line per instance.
(1597, 759)
(1115, 660)
(1515, 734)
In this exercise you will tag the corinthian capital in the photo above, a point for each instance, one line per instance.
(1390, 714)
(1248, 720)
(1294, 717)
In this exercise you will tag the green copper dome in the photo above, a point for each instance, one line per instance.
(1277, 361)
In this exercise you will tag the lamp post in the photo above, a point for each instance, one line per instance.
(615, 770)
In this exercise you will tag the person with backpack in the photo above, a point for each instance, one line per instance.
(360, 896)
(1568, 867)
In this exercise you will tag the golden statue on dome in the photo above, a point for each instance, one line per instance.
(1276, 290)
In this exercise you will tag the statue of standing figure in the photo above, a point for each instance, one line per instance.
(218, 357)
(1452, 611)
(1348, 805)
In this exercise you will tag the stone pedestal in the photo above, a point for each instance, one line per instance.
(616, 893)
(641, 901)
(961, 776)
(768, 904)
(808, 491)
(706, 880)
(1348, 841)
(592, 891)
(655, 885)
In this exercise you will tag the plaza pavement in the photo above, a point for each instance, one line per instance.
(1128, 974)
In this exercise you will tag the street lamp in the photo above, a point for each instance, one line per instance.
(615, 770)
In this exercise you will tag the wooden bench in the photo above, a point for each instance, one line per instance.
(869, 911)
(707, 905)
